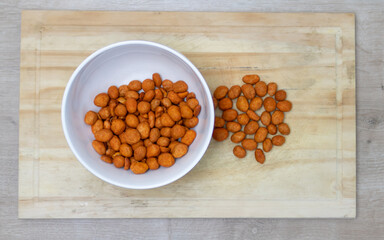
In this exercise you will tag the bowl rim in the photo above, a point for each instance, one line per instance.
(210, 107)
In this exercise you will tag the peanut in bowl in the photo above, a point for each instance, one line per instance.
(117, 65)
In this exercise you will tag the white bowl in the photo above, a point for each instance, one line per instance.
(118, 64)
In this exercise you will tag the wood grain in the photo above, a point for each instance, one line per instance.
(370, 193)
(308, 55)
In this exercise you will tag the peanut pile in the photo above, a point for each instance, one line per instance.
(141, 130)
(255, 95)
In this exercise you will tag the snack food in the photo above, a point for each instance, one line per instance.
(144, 125)
(248, 127)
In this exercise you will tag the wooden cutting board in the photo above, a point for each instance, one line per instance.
(310, 55)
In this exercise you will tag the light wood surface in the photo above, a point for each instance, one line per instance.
(370, 165)
(311, 56)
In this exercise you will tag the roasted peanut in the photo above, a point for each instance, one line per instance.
(243, 119)
(149, 95)
(104, 113)
(249, 144)
(113, 92)
(148, 84)
(269, 104)
(123, 89)
(166, 160)
(167, 85)
(229, 115)
(242, 104)
(248, 91)
(233, 127)
(265, 118)
(272, 129)
(284, 128)
(101, 100)
(188, 137)
(220, 92)
(130, 136)
(163, 141)
(152, 163)
(166, 132)
(139, 167)
(103, 135)
(143, 129)
(139, 153)
(166, 120)
(192, 103)
(120, 110)
(261, 89)
(277, 117)
(251, 79)
(219, 122)
(154, 135)
(271, 88)
(197, 110)
(238, 137)
(99, 147)
(115, 143)
(261, 134)
(252, 115)
(143, 107)
(225, 103)
(158, 94)
(153, 150)
(179, 150)
(251, 127)
(177, 131)
(278, 140)
(132, 94)
(117, 126)
(190, 95)
(155, 103)
(186, 112)
(259, 156)
(191, 123)
(175, 99)
(284, 106)
(267, 145)
(256, 103)
(90, 117)
(106, 159)
(280, 95)
(118, 161)
(156, 79)
(134, 85)
(239, 152)
(126, 150)
(97, 126)
(180, 86)
(220, 134)
(132, 121)
(127, 163)
(234, 92)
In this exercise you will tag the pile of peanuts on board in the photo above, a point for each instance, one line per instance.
(251, 96)
(141, 130)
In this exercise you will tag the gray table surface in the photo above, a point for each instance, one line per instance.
(369, 223)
